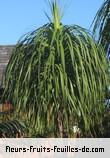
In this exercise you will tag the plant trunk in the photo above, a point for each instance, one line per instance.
(60, 124)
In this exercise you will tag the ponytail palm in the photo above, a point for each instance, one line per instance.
(57, 77)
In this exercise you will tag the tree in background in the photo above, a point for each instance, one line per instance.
(101, 28)
(101, 32)
(56, 78)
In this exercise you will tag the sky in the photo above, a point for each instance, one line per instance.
(17, 17)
